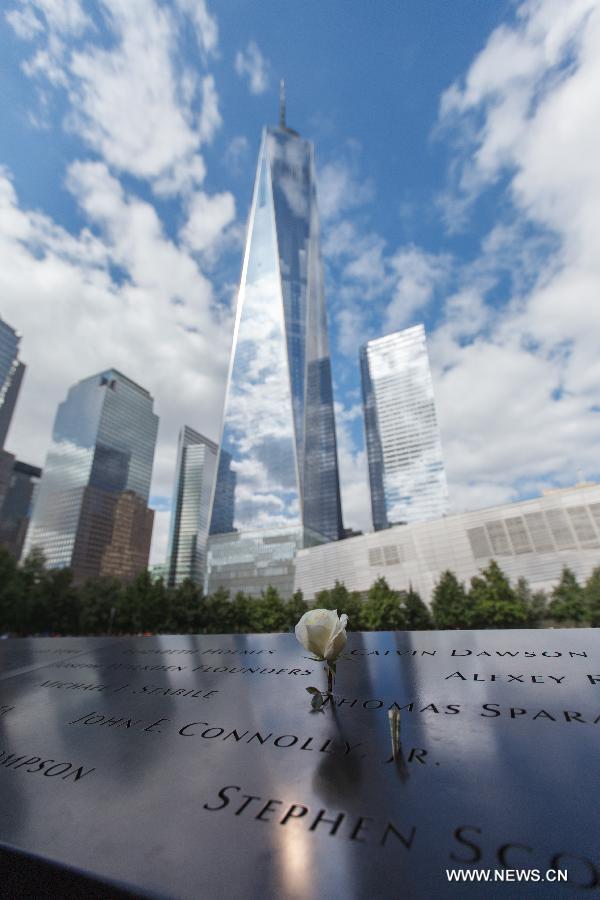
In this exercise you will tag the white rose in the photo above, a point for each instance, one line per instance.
(322, 632)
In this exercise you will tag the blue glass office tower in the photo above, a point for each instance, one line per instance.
(99, 464)
(278, 438)
(404, 447)
(11, 376)
(194, 482)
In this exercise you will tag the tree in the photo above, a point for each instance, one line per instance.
(449, 605)
(268, 612)
(535, 602)
(344, 601)
(494, 604)
(31, 615)
(217, 613)
(295, 608)
(241, 613)
(418, 617)
(568, 600)
(142, 606)
(11, 592)
(383, 609)
(592, 597)
(100, 599)
(61, 602)
(183, 608)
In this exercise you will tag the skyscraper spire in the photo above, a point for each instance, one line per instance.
(282, 104)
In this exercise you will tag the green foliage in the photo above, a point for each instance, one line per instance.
(383, 608)
(417, 616)
(183, 608)
(11, 593)
(494, 604)
(295, 608)
(538, 609)
(344, 601)
(100, 600)
(61, 603)
(34, 600)
(592, 597)
(450, 606)
(242, 613)
(568, 602)
(535, 602)
(142, 606)
(268, 612)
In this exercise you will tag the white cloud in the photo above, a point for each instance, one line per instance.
(517, 382)
(133, 101)
(251, 63)
(237, 153)
(182, 178)
(417, 274)
(24, 22)
(210, 117)
(65, 17)
(208, 217)
(207, 32)
(125, 98)
(340, 189)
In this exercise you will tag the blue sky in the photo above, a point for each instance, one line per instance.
(456, 146)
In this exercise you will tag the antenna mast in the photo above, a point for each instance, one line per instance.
(282, 104)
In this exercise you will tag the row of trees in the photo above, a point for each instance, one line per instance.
(36, 600)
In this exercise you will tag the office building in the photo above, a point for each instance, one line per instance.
(16, 504)
(159, 572)
(11, 376)
(404, 448)
(126, 554)
(531, 538)
(277, 485)
(18, 480)
(194, 483)
(103, 444)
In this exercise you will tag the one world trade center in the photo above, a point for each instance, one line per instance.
(277, 485)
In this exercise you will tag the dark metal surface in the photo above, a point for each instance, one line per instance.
(193, 766)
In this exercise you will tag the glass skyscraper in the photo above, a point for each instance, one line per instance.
(15, 505)
(11, 376)
(404, 448)
(194, 482)
(278, 464)
(102, 447)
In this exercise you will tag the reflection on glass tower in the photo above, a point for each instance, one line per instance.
(11, 376)
(404, 448)
(96, 480)
(278, 426)
(194, 482)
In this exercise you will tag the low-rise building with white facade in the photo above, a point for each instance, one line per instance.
(531, 538)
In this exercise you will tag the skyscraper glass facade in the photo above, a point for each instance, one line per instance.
(102, 445)
(278, 458)
(194, 482)
(16, 504)
(11, 375)
(404, 448)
